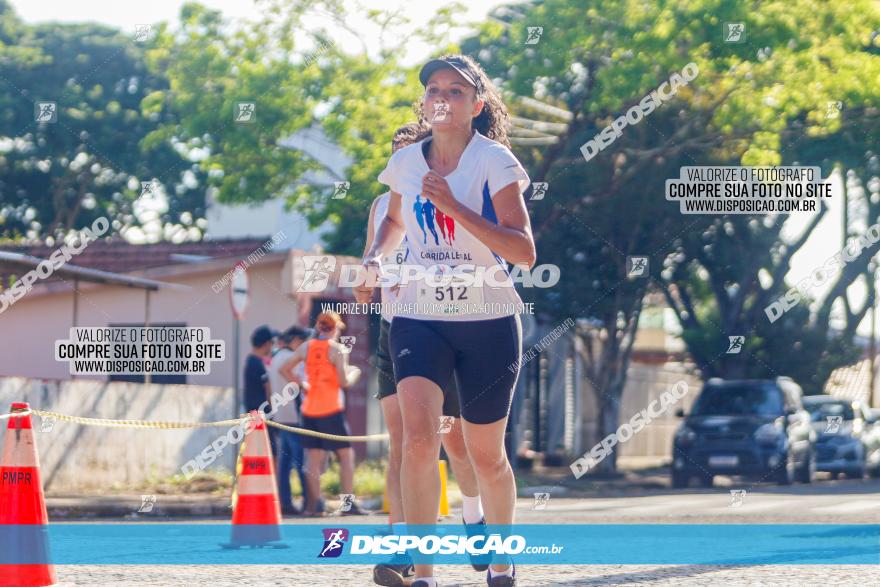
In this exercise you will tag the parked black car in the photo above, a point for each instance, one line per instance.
(847, 439)
(756, 428)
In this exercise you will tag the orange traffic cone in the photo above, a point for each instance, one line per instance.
(256, 509)
(23, 518)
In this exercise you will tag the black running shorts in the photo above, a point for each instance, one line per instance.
(483, 354)
(387, 384)
(332, 424)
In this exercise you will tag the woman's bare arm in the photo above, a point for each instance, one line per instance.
(391, 230)
(512, 237)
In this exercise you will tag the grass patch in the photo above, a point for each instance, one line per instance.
(369, 481)
(211, 482)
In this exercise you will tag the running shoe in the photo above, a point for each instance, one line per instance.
(501, 580)
(355, 510)
(480, 562)
(394, 575)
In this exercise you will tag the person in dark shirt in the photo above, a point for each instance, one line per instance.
(256, 377)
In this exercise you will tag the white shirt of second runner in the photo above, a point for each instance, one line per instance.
(397, 257)
(484, 168)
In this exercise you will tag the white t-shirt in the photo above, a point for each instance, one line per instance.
(394, 259)
(286, 414)
(484, 168)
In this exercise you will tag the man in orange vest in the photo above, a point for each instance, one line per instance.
(323, 408)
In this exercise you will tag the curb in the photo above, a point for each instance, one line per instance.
(165, 506)
(128, 506)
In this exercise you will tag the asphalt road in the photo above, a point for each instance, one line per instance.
(826, 502)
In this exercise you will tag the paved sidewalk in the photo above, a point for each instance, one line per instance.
(461, 576)
(559, 482)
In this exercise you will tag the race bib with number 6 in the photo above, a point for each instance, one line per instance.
(397, 256)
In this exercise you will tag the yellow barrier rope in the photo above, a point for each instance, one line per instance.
(147, 424)
(132, 423)
(327, 436)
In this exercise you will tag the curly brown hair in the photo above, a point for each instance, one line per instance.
(408, 134)
(493, 119)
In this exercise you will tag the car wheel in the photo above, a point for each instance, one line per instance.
(807, 470)
(706, 480)
(857, 473)
(834, 475)
(874, 473)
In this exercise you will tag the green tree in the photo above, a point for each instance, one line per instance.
(760, 102)
(55, 177)
(298, 77)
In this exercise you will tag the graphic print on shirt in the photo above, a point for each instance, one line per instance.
(438, 246)
(436, 226)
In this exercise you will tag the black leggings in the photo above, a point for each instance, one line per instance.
(483, 355)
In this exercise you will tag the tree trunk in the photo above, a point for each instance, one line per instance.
(609, 420)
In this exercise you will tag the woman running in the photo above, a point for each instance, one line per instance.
(465, 169)
(400, 572)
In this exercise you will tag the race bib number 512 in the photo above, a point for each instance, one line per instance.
(452, 298)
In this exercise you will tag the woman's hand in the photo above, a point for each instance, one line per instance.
(434, 186)
(363, 293)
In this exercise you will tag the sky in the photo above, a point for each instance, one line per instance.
(126, 14)
(824, 243)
